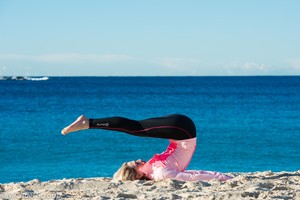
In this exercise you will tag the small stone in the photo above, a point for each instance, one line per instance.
(124, 195)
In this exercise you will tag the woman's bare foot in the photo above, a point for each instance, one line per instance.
(80, 123)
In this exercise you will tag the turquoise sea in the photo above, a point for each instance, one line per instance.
(244, 124)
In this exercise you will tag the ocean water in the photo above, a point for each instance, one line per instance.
(244, 124)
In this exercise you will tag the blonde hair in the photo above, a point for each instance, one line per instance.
(125, 173)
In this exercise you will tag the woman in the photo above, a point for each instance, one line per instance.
(179, 129)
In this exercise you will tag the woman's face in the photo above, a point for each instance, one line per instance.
(137, 165)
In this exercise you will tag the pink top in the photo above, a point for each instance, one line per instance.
(173, 162)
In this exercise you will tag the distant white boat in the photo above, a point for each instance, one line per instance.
(37, 79)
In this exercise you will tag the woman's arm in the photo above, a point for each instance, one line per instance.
(189, 175)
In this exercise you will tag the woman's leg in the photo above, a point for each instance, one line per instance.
(177, 127)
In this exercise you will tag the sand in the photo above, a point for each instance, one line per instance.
(257, 185)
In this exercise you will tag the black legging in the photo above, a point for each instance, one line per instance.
(176, 127)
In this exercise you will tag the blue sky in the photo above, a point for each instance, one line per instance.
(149, 38)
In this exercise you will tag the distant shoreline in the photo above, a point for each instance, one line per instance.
(141, 76)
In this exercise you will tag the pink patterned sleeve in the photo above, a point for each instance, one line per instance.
(189, 175)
